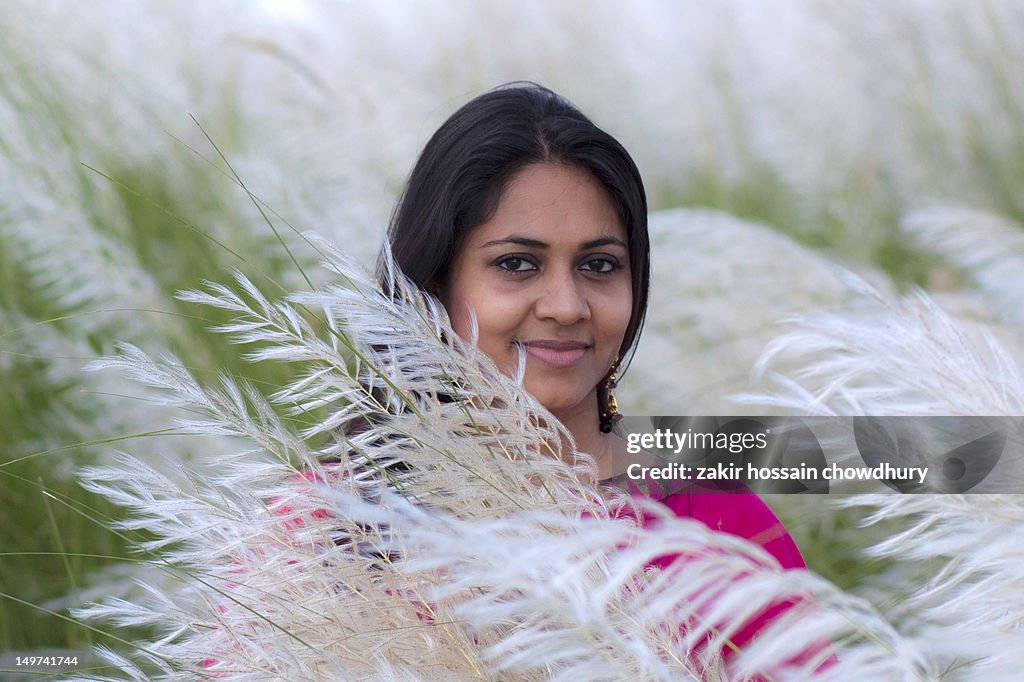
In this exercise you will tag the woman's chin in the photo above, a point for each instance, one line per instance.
(562, 406)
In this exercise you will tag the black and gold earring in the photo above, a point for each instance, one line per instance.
(608, 409)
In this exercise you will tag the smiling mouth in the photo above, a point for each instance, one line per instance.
(556, 353)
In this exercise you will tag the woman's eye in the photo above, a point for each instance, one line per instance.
(601, 266)
(515, 264)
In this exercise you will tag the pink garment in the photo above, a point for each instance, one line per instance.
(734, 509)
(744, 515)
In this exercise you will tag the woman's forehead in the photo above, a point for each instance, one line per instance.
(552, 204)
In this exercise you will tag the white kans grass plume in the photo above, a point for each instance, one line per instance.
(719, 285)
(584, 605)
(902, 356)
(253, 511)
(433, 523)
(49, 214)
(987, 249)
(967, 612)
(909, 357)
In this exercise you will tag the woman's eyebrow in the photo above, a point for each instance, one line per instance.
(537, 244)
(603, 241)
(522, 241)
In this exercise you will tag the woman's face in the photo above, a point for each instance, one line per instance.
(549, 270)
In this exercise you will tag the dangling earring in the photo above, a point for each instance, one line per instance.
(608, 409)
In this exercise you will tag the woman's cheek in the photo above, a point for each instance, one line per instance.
(618, 310)
(495, 334)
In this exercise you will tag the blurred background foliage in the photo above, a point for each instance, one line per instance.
(800, 136)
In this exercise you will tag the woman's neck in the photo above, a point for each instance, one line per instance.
(582, 421)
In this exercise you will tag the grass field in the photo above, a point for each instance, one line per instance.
(885, 139)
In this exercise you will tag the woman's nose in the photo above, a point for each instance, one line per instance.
(562, 300)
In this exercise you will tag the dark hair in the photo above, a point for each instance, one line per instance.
(459, 178)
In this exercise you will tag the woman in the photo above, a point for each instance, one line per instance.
(522, 215)
(529, 223)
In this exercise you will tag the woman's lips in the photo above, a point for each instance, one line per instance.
(556, 353)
